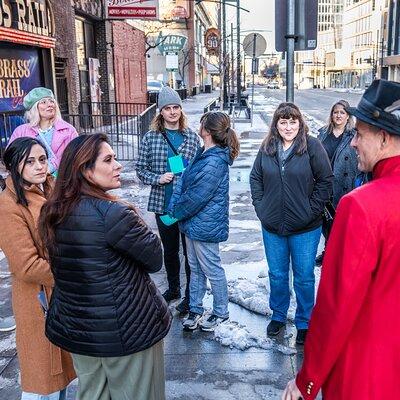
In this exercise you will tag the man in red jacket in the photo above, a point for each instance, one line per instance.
(352, 350)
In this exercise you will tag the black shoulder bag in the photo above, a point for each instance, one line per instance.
(328, 214)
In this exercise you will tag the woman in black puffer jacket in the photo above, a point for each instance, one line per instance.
(290, 183)
(105, 310)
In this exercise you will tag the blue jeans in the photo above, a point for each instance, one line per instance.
(205, 262)
(301, 249)
(61, 395)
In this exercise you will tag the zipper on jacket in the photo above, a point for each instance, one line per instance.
(282, 174)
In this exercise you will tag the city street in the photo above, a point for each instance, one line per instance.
(315, 102)
(239, 361)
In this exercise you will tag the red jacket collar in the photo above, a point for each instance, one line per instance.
(386, 167)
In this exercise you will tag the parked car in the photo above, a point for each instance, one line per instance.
(273, 85)
(154, 86)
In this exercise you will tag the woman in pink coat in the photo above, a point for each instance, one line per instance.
(44, 123)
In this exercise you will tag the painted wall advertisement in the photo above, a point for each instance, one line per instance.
(19, 73)
(143, 9)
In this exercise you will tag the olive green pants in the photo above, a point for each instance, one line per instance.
(139, 376)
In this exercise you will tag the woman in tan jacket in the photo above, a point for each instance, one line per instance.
(46, 370)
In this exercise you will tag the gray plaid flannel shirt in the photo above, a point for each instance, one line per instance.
(152, 163)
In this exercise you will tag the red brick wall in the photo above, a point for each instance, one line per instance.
(64, 18)
(130, 63)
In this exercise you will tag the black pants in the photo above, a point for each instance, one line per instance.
(170, 236)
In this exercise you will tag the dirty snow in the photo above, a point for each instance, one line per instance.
(7, 343)
(234, 335)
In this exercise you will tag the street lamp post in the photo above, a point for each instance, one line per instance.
(238, 58)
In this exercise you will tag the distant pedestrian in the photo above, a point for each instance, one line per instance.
(352, 349)
(170, 142)
(290, 183)
(201, 204)
(44, 123)
(105, 309)
(46, 370)
(336, 138)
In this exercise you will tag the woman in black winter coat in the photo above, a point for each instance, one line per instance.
(290, 182)
(105, 310)
(336, 137)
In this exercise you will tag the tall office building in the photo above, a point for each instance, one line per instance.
(391, 48)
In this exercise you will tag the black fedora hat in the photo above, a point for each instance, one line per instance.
(380, 106)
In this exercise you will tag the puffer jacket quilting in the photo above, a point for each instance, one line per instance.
(104, 303)
(201, 198)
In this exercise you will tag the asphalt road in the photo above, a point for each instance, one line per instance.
(316, 102)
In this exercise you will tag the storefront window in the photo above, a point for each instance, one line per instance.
(80, 42)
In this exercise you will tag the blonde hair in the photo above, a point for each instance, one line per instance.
(158, 123)
(32, 116)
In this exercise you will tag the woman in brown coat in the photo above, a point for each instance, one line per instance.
(46, 370)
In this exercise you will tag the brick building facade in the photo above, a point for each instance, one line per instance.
(129, 63)
(75, 54)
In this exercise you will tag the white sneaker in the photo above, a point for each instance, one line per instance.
(192, 321)
(211, 323)
(7, 324)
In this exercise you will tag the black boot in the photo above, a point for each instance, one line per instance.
(183, 306)
(274, 327)
(320, 259)
(170, 295)
(301, 336)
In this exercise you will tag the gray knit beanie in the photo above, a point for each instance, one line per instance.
(168, 96)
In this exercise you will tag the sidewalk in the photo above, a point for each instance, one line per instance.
(238, 362)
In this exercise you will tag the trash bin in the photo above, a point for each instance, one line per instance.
(207, 88)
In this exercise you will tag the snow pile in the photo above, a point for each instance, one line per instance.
(237, 336)
(250, 294)
(254, 296)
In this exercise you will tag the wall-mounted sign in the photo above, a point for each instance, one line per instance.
(89, 7)
(19, 73)
(212, 39)
(139, 9)
(27, 22)
(177, 10)
(171, 62)
(170, 43)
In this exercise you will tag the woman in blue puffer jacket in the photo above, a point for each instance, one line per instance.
(201, 204)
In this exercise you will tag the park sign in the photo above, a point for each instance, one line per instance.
(170, 43)
(132, 9)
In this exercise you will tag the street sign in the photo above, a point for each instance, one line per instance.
(254, 65)
(254, 45)
(131, 9)
(171, 61)
(306, 25)
(212, 38)
(170, 43)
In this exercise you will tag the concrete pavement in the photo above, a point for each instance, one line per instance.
(197, 366)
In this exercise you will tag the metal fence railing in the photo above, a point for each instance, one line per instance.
(213, 104)
(123, 123)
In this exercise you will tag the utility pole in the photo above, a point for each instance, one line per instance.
(290, 40)
(224, 58)
(232, 62)
(238, 58)
(221, 63)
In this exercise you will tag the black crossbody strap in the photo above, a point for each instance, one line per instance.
(169, 143)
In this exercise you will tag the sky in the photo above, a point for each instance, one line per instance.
(260, 17)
